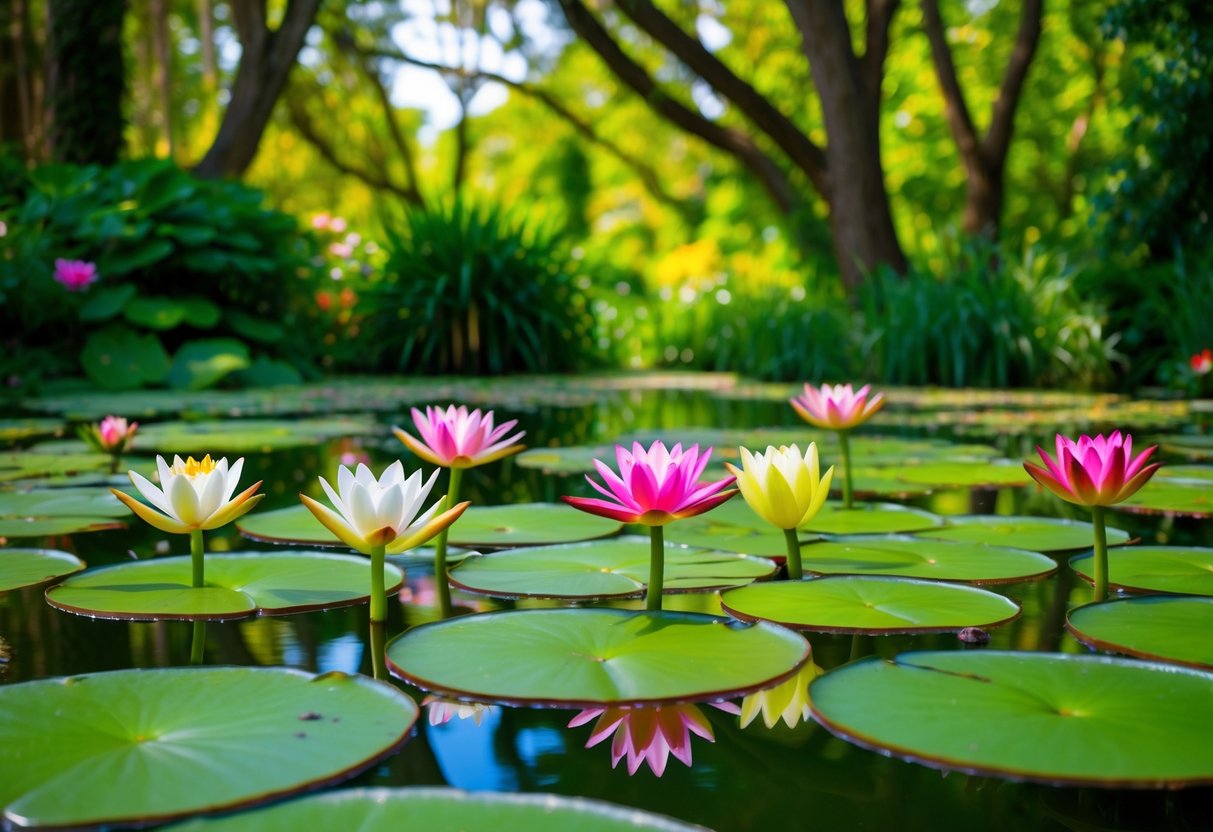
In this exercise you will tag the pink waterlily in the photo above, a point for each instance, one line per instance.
(649, 735)
(1202, 362)
(654, 486)
(75, 275)
(456, 438)
(115, 433)
(1094, 471)
(837, 407)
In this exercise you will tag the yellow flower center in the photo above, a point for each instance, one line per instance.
(193, 467)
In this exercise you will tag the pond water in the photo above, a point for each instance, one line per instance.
(748, 779)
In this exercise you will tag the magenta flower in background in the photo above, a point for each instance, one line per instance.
(837, 407)
(1094, 471)
(649, 735)
(116, 434)
(1202, 362)
(75, 275)
(457, 438)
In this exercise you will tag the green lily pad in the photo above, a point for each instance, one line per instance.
(438, 809)
(18, 466)
(1176, 570)
(245, 435)
(1049, 718)
(1183, 497)
(1164, 627)
(12, 430)
(616, 568)
(870, 605)
(525, 524)
(912, 557)
(20, 568)
(1191, 446)
(870, 483)
(119, 358)
(733, 527)
(59, 511)
(238, 585)
(203, 363)
(1190, 473)
(870, 518)
(146, 746)
(980, 473)
(581, 658)
(1039, 534)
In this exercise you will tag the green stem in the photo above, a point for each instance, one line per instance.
(378, 649)
(115, 462)
(198, 644)
(795, 573)
(652, 595)
(859, 648)
(440, 579)
(844, 440)
(378, 595)
(1101, 553)
(197, 559)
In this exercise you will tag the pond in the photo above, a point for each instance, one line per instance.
(947, 458)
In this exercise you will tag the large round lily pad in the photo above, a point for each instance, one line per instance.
(245, 435)
(59, 511)
(238, 585)
(1038, 534)
(1192, 446)
(981, 473)
(526, 524)
(441, 809)
(870, 518)
(581, 658)
(616, 568)
(1067, 720)
(142, 746)
(1189, 498)
(912, 557)
(1178, 570)
(1165, 627)
(870, 605)
(20, 568)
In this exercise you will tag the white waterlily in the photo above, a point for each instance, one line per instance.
(386, 512)
(194, 495)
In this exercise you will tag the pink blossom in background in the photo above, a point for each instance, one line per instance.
(321, 221)
(1202, 362)
(115, 433)
(455, 438)
(75, 275)
(837, 407)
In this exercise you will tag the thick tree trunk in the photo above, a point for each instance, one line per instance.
(88, 80)
(265, 65)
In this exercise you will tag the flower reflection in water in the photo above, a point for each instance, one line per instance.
(788, 700)
(440, 711)
(649, 734)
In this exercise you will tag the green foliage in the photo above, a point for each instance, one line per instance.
(470, 289)
(176, 257)
(990, 320)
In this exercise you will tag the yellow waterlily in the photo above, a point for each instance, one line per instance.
(783, 487)
(194, 495)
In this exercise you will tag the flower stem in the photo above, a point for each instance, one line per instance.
(198, 644)
(1101, 553)
(115, 462)
(440, 580)
(652, 595)
(197, 552)
(378, 633)
(844, 441)
(795, 573)
(378, 596)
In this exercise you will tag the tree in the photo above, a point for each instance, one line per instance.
(87, 80)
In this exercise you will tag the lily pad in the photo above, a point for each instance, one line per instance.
(1176, 570)
(1183, 497)
(1192, 473)
(238, 585)
(871, 518)
(1164, 627)
(870, 605)
(12, 430)
(870, 483)
(912, 557)
(616, 568)
(245, 435)
(204, 363)
(581, 658)
(1049, 718)
(1191, 446)
(59, 511)
(434, 808)
(966, 474)
(16, 466)
(119, 358)
(20, 568)
(733, 527)
(1039, 534)
(185, 740)
(526, 524)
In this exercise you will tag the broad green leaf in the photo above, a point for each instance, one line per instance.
(255, 329)
(1173, 569)
(49, 511)
(525, 524)
(118, 358)
(1050, 718)
(156, 312)
(1163, 627)
(1039, 534)
(29, 567)
(106, 302)
(205, 362)
(911, 557)
(870, 518)
(966, 474)
(1189, 498)
(245, 435)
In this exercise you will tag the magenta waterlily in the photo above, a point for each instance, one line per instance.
(654, 486)
(1095, 470)
(75, 275)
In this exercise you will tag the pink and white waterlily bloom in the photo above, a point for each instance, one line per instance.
(456, 438)
(1094, 471)
(649, 734)
(654, 486)
(440, 711)
(115, 433)
(381, 512)
(837, 407)
(194, 495)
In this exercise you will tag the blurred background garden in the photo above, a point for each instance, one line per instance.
(998, 193)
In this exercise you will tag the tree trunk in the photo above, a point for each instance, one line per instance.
(265, 64)
(88, 80)
(158, 13)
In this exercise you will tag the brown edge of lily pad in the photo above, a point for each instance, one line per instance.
(876, 631)
(945, 764)
(1018, 579)
(1124, 649)
(571, 704)
(1133, 590)
(256, 612)
(313, 785)
(49, 578)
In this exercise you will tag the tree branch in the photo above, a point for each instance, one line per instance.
(1002, 123)
(876, 46)
(960, 120)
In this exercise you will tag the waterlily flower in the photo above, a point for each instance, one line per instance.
(648, 734)
(789, 700)
(75, 275)
(837, 407)
(381, 513)
(1094, 471)
(114, 434)
(654, 486)
(783, 487)
(1202, 362)
(440, 711)
(194, 495)
(455, 438)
